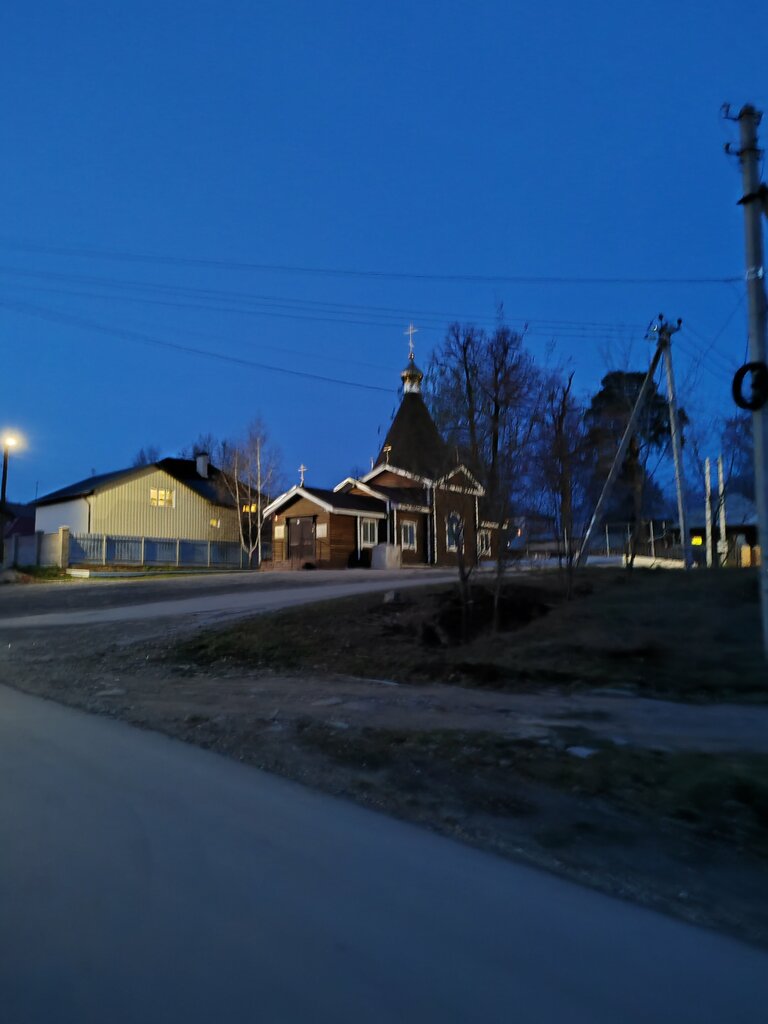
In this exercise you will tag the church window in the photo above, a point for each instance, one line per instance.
(369, 529)
(408, 536)
(454, 532)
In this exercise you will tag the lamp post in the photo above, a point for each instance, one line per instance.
(8, 442)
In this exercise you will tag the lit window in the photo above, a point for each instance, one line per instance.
(159, 498)
(251, 508)
(369, 532)
(408, 536)
(484, 543)
(697, 541)
(216, 524)
(454, 532)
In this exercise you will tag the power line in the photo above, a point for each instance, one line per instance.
(56, 316)
(284, 268)
(302, 304)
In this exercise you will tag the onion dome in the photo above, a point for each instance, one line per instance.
(411, 377)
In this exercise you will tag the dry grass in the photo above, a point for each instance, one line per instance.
(692, 636)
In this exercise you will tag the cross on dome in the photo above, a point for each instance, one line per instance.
(411, 375)
(410, 332)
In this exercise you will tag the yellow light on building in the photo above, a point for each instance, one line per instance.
(697, 541)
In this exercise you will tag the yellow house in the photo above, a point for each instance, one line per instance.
(170, 499)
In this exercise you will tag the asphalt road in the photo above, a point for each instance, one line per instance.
(208, 598)
(142, 880)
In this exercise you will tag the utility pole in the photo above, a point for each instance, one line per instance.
(618, 460)
(665, 341)
(753, 202)
(722, 547)
(708, 510)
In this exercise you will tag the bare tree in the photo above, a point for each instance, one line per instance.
(146, 456)
(561, 451)
(207, 444)
(484, 391)
(481, 389)
(250, 476)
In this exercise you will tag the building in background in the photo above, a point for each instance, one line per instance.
(171, 498)
(415, 503)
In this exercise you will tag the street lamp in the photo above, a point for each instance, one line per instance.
(9, 441)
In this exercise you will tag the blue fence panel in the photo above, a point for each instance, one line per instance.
(193, 552)
(159, 551)
(89, 549)
(86, 547)
(124, 550)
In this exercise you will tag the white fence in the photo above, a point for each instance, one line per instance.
(91, 549)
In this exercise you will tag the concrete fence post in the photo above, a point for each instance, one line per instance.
(103, 549)
(63, 545)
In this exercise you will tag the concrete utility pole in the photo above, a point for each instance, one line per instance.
(753, 202)
(665, 342)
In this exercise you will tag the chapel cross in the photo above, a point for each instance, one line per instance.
(410, 332)
(302, 471)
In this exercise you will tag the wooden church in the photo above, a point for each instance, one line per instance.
(415, 507)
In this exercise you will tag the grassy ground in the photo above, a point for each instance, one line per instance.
(720, 796)
(693, 636)
(40, 574)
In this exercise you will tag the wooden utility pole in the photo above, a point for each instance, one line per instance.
(618, 460)
(664, 331)
(708, 510)
(665, 342)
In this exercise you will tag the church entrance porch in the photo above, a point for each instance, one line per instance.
(301, 538)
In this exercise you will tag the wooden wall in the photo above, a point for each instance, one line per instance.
(332, 551)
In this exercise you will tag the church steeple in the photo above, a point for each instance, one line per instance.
(411, 375)
(413, 442)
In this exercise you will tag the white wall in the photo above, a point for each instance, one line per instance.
(74, 514)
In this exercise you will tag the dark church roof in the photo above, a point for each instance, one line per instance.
(414, 441)
(342, 500)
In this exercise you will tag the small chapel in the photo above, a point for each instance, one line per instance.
(417, 505)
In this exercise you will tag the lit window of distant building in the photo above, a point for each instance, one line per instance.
(160, 498)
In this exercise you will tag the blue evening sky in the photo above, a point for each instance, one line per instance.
(160, 157)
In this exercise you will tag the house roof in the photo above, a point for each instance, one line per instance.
(395, 495)
(413, 442)
(403, 495)
(331, 501)
(739, 511)
(339, 499)
(183, 470)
